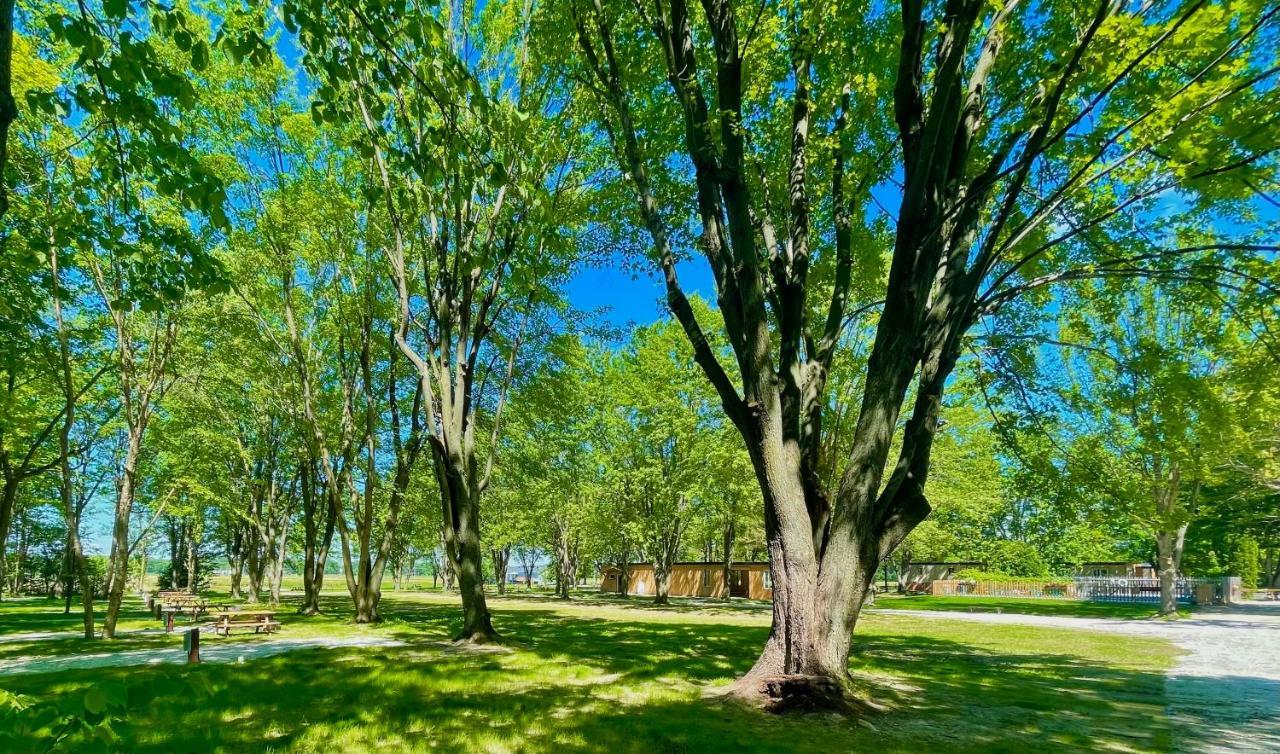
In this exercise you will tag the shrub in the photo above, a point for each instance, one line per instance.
(1244, 562)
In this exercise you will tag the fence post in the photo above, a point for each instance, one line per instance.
(191, 643)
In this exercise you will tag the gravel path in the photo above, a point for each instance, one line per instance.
(209, 652)
(1224, 693)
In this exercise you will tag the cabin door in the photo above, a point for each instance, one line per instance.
(737, 583)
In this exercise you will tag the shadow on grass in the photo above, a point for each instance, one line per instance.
(32, 615)
(1020, 606)
(582, 684)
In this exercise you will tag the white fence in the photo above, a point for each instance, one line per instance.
(1094, 588)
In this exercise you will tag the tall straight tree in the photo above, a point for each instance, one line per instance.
(470, 158)
(1005, 137)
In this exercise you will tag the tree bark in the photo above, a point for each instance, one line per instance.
(1168, 561)
(119, 561)
(460, 505)
(8, 502)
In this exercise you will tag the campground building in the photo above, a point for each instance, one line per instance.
(749, 580)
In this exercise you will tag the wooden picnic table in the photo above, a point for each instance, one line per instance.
(194, 608)
(259, 620)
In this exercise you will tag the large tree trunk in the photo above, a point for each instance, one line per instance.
(256, 567)
(461, 508)
(237, 575)
(564, 560)
(624, 578)
(1168, 561)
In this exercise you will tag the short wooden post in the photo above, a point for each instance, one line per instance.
(168, 622)
(191, 643)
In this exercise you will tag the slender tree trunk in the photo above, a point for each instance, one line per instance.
(8, 501)
(66, 491)
(119, 562)
(730, 536)
(501, 556)
(193, 560)
(277, 566)
(20, 556)
(624, 579)
(68, 574)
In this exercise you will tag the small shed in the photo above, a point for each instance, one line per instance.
(920, 574)
(1116, 568)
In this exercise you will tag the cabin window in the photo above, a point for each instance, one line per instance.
(768, 580)
(706, 577)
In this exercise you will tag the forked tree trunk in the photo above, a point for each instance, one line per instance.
(318, 523)
(563, 550)
(501, 557)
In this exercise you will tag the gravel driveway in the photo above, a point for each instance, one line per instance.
(1224, 693)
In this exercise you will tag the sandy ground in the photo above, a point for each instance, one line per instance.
(1224, 693)
(209, 652)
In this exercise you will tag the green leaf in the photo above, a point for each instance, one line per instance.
(95, 701)
(200, 55)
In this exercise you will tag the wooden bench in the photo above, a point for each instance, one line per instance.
(261, 621)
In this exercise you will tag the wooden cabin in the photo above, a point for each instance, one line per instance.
(1117, 568)
(695, 579)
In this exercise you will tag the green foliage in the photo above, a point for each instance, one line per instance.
(1245, 560)
(1013, 558)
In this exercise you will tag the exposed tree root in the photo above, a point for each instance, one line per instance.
(478, 638)
(788, 693)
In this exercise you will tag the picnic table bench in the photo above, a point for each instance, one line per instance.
(167, 612)
(261, 621)
(1265, 593)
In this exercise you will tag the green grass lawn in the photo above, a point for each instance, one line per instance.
(598, 676)
(1070, 608)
